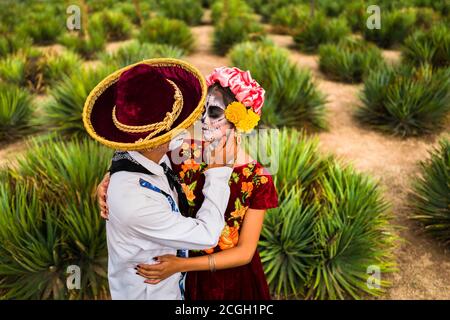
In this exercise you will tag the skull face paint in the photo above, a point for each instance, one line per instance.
(214, 123)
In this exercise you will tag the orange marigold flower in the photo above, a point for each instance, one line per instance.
(181, 173)
(246, 172)
(189, 193)
(239, 213)
(235, 112)
(249, 122)
(247, 187)
(229, 237)
(190, 164)
(264, 179)
(260, 171)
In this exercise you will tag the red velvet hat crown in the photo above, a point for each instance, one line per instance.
(140, 106)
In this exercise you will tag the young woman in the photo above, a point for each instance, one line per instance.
(232, 269)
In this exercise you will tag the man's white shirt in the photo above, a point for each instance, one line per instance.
(142, 225)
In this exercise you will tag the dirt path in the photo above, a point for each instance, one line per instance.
(424, 266)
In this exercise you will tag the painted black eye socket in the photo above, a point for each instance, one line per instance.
(215, 112)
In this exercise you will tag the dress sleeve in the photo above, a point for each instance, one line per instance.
(265, 195)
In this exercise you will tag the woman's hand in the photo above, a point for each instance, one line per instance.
(101, 196)
(167, 266)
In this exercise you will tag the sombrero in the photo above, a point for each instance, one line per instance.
(143, 105)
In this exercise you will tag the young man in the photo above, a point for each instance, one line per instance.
(139, 109)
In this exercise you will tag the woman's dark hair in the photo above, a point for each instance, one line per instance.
(228, 96)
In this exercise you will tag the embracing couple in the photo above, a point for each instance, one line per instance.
(183, 215)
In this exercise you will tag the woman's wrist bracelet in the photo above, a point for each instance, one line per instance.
(212, 263)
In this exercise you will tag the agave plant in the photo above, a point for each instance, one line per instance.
(59, 65)
(286, 245)
(114, 25)
(12, 69)
(221, 9)
(235, 29)
(63, 110)
(320, 30)
(441, 6)
(24, 69)
(350, 60)
(54, 220)
(43, 27)
(30, 254)
(11, 43)
(189, 11)
(331, 228)
(292, 97)
(431, 47)
(356, 15)
(396, 26)
(406, 101)
(332, 8)
(288, 18)
(16, 109)
(352, 236)
(36, 70)
(267, 8)
(167, 31)
(290, 156)
(88, 46)
(136, 51)
(430, 199)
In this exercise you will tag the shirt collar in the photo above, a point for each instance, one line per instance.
(150, 165)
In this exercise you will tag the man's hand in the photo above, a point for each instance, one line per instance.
(102, 195)
(224, 154)
(167, 265)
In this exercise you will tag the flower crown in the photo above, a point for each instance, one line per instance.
(246, 112)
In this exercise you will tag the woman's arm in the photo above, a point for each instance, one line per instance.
(240, 255)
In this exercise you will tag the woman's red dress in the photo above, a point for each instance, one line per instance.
(252, 187)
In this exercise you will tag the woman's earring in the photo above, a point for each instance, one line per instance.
(238, 139)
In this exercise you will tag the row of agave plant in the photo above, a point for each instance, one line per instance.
(312, 23)
(422, 76)
(156, 21)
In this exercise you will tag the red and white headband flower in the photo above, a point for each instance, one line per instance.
(245, 113)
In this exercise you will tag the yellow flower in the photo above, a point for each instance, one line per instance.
(189, 193)
(235, 112)
(249, 122)
(264, 179)
(246, 172)
(239, 213)
(197, 153)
